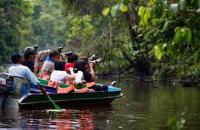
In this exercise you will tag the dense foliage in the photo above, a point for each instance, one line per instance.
(12, 20)
(158, 38)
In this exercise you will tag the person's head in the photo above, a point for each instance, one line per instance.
(16, 59)
(82, 65)
(54, 55)
(73, 58)
(30, 53)
(60, 65)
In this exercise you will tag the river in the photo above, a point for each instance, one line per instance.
(144, 106)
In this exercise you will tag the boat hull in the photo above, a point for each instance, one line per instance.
(37, 100)
(68, 100)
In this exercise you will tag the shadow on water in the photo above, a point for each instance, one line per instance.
(145, 106)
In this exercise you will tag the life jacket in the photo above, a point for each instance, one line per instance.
(90, 84)
(54, 84)
(82, 90)
(43, 76)
(65, 89)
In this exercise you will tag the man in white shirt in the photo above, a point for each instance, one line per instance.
(17, 69)
(60, 75)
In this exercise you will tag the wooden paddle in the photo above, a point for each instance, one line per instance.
(50, 99)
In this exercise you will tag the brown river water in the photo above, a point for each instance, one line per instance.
(144, 106)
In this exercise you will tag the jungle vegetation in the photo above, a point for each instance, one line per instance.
(155, 38)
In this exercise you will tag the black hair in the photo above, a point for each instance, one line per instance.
(60, 65)
(80, 65)
(29, 51)
(15, 58)
(72, 58)
(54, 53)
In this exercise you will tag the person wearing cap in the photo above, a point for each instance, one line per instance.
(29, 57)
(17, 69)
(60, 75)
(32, 58)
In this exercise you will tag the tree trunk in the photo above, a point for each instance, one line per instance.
(132, 18)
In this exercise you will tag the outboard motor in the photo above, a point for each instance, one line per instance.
(6, 84)
(14, 85)
(21, 87)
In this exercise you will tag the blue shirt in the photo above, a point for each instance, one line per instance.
(24, 72)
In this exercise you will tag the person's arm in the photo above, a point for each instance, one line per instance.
(71, 76)
(31, 77)
(39, 55)
(47, 68)
(37, 65)
(43, 53)
(93, 76)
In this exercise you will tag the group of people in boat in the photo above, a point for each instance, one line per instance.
(51, 65)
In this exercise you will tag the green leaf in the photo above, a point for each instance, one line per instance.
(115, 9)
(165, 4)
(158, 52)
(188, 35)
(173, 9)
(123, 8)
(164, 46)
(151, 2)
(199, 4)
(171, 123)
(141, 11)
(105, 11)
(182, 4)
(178, 35)
(147, 16)
(177, 29)
(166, 25)
(182, 34)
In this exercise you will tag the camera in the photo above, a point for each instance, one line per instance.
(36, 47)
(60, 49)
(69, 53)
(93, 59)
(96, 61)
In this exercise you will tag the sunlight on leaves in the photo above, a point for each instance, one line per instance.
(123, 8)
(106, 11)
(173, 9)
(115, 9)
(182, 4)
(183, 34)
(158, 52)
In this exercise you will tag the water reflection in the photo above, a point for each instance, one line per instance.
(145, 106)
(67, 120)
(72, 119)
